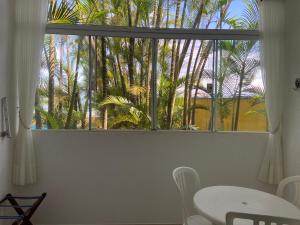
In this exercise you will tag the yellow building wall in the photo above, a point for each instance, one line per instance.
(247, 121)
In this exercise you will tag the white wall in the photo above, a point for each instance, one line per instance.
(5, 62)
(292, 107)
(125, 177)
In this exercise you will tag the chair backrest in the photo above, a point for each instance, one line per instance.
(188, 183)
(293, 181)
(258, 219)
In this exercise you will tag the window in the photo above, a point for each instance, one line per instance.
(151, 64)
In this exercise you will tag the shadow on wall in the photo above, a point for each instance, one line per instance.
(125, 177)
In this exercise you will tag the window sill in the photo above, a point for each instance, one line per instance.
(112, 131)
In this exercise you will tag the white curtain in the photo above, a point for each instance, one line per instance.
(30, 22)
(272, 28)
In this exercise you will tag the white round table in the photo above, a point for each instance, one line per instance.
(216, 201)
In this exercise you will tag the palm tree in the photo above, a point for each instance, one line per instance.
(213, 8)
(243, 64)
(245, 68)
(57, 13)
(74, 94)
(104, 80)
(257, 99)
(123, 66)
(126, 113)
(172, 75)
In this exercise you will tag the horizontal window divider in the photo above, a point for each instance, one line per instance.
(146, 32)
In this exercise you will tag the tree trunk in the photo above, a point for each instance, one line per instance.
(192, 80)
(60, 79)
(195, 71)
(199, 71)
(96, 63)
(68, 64)
(221, 105)
(142, 70)
(223, 13)
(130, 62)
(74, 91)
(124, 91)
(178, 66)
(37, 115)
(236, 123)
(51, 78)
(159, 14)
(172, 72)
(83, 118)
(131, 47)
(187, 42)
(233, 111)
(104, 81)
(76, 107)
(148, 79)
(186, 85)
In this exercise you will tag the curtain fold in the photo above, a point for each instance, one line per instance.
(272, 29)
(30, 23)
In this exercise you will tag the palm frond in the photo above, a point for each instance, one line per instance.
(116, 100)
(119, 119)
(62, 12)
(136, 90)
(47, 117)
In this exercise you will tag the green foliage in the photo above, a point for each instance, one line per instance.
(223, 2)
(54, 123)
(124, 90)
(125, 112)
(203, 107)
(62, 12)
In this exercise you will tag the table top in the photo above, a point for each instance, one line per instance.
(216, 201)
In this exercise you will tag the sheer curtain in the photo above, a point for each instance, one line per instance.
(30, 21)
(272, 28)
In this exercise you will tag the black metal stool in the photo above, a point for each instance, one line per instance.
(23, 217)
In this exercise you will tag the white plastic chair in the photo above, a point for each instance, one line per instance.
(255, 219)
(188, 183)
(295, 181)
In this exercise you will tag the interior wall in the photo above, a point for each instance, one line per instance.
(5, 72)
(119, 177)
(292, 107)
(125, 177)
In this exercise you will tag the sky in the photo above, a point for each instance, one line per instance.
(237, 7)
(236, 10)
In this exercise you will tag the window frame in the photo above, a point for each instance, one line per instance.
(155, 34)
(149, 32)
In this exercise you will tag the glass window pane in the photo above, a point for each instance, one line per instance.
(121, 83)
(183, 99)
(213, 14)
(240, 90)
(61, 96)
